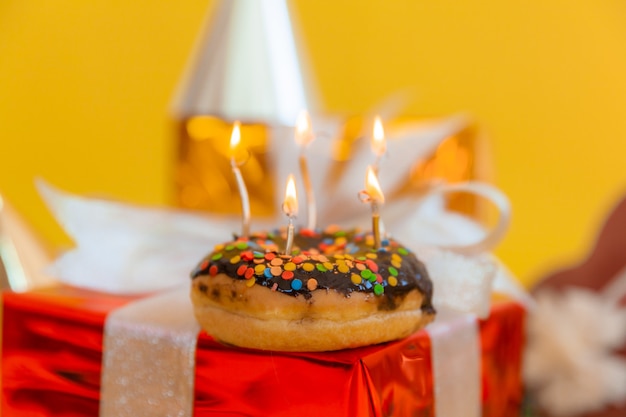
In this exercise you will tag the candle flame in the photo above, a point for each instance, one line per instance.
(372, 186)
(290, 205)
(304, 131)
(379, 144)
(235, 139)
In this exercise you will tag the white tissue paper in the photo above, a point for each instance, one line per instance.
(127, 249)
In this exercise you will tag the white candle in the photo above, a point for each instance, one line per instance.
(304, 136)
(290, 208)
(235, 151)
(374, 197)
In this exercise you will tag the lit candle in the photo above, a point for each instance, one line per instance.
(290, 208)
(235, 163)
(378, 142)
(373, 195)
(304, 136)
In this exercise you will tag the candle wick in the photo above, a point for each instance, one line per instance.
(236, 164)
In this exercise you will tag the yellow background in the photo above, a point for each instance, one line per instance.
(85, 89)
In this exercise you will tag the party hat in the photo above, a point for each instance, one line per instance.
(246, 66)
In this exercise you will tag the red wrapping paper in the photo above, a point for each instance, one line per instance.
(52, 352)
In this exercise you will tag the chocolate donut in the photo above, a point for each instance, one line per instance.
(334, 291)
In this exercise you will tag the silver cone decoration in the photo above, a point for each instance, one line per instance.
(246, 66)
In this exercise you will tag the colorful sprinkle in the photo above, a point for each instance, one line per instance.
(321, 267)
(258, 255)
(249, 273)
(329, 266)
(203, 265)
(366, 273)
(343, 268)
(268, 273)
(379, 289)
(307, 266)
(247, 255)
(218, 248)
(275, 286)
(393, 271)
(297, 260)
(242, 245)
(371, 255)
(241, 270)
(356, 279)
(403, 251)
(276, 271)
(361, 267)
(229, 247)
(269, 256)
(287, 275)
(290, 266)
(393, 281)
(296, 284)
(259, 269)
(311, 284)
(235, 259)
(332, 228)
(213, 270)
(276, 262)
(396, 257)
(396, 264)
(250, 282)
(372, 265)
(379, 278)
(216, 257)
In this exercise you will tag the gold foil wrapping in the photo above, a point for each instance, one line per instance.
(204, 179)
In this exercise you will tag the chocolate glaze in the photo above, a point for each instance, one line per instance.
(335, 256)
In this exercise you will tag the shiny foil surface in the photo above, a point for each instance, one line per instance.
(52, 353)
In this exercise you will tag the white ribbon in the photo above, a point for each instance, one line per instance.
(148, 364)
(456, 364)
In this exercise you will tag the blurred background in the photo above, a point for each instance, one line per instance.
(86, 89)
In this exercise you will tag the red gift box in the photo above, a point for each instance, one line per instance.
(52, 353)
